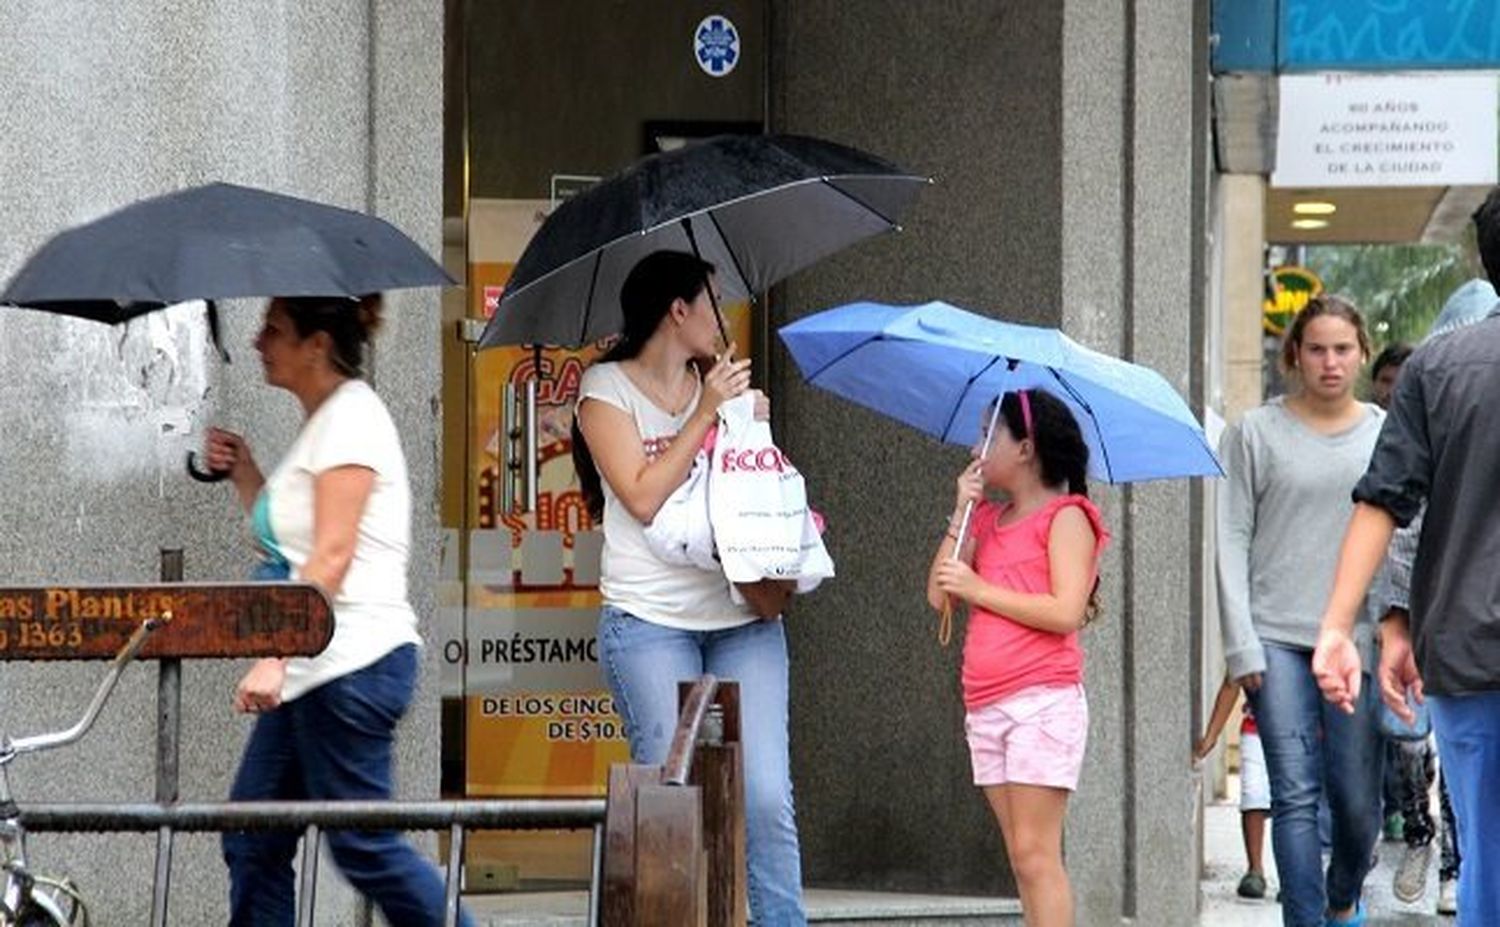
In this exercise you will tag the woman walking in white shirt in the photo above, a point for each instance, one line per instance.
(336, 512)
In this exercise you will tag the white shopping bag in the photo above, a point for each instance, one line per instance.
(681, 533)
(757, 502)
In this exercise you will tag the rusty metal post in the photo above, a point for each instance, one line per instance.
(168, 750)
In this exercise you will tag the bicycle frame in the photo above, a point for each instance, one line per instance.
(17, 893)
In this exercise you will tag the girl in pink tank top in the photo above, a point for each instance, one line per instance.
(1026, 569)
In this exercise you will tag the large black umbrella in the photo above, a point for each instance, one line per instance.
(218, 241)
(759, 207)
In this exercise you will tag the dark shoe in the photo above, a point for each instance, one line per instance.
(1253, 885)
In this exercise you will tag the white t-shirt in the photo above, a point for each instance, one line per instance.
(371, 614)
(632, 578)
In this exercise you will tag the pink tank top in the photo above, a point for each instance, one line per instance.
(1001, 656)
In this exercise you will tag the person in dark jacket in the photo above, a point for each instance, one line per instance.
(1439, 444)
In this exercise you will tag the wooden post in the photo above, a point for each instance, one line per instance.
(618, 906)
(719, 773)
(671, 872)
(674, 846)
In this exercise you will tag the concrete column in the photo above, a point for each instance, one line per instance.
(1129, 289)
(1241, 226)
(1063, 140)
(969, 92)
(108, 103)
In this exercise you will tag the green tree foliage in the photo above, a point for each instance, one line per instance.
(1398, 288)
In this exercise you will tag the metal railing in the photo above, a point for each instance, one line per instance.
(668, 843)
(314, 817)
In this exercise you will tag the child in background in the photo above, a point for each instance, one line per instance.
(1027, 569)
(1255, 785)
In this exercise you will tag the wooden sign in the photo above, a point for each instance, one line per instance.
(206, 620)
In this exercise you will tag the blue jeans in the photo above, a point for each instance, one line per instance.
(644, 662)
(1468, 739)
(334, 743)
(1313, 749)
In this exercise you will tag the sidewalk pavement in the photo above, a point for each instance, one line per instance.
(1224, 863)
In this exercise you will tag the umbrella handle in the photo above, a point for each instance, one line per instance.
(204, 476)
(945, 621)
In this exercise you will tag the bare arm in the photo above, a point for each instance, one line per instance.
(340, 495)
(1229, 693)
(1071, 545)
(1364, 547)
(640, 483)
(1336, 662)
(936, 597)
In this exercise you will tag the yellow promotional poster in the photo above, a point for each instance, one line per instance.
(539, 720)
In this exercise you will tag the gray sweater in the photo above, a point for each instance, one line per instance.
(1283, 508)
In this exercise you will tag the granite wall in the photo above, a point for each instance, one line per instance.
(105, 103)
(1066, 141)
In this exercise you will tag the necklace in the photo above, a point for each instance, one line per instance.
(660, 398)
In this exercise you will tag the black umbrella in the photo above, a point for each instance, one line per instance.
(218, 241)
(759, 207)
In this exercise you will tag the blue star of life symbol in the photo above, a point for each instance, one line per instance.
(717, 45)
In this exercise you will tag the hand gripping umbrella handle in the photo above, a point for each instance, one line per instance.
(945, 615)
(204, 476)
(945, 619)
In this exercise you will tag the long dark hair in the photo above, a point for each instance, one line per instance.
(657, 280)
(1060, 449)
(1055, 434)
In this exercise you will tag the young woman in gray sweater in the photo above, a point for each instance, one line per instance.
(1291, 464)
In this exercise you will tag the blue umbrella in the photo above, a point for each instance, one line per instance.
(937, 367)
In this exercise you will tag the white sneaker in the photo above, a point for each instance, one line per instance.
(1410, 881)
(1447, 896)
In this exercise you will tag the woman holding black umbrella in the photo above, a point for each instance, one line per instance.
(335, 512)
(643, 413)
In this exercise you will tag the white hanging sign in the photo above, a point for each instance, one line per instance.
(1386, 130)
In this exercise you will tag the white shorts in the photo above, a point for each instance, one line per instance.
(1255, 784)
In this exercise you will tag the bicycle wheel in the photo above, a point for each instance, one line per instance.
(42, 910)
